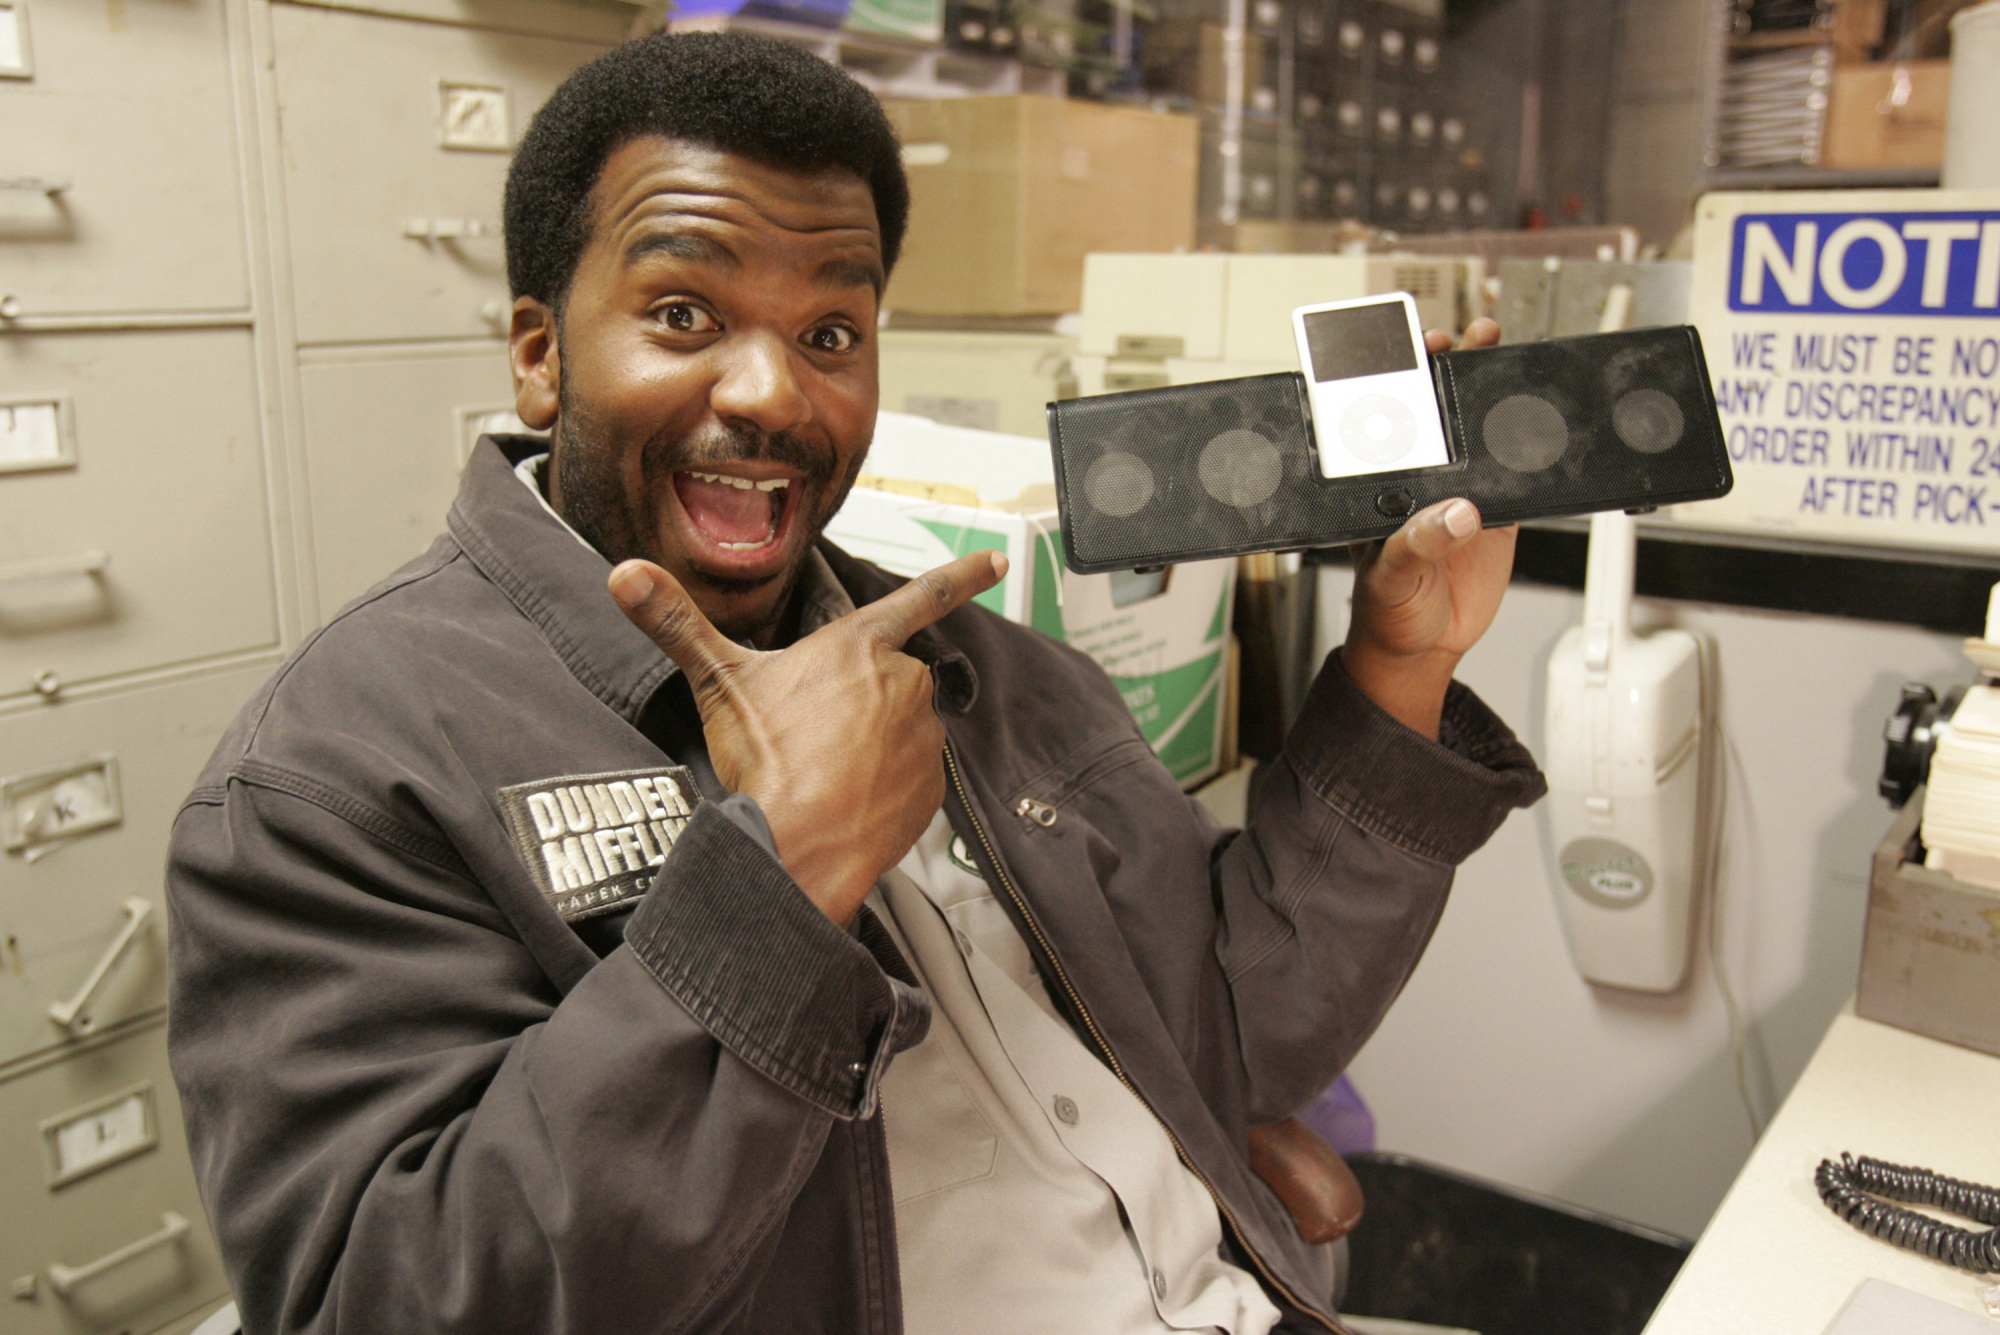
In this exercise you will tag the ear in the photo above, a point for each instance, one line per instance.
(533, 353)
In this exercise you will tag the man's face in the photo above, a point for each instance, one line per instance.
(712, 379)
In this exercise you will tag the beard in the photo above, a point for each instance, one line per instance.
(623, 525)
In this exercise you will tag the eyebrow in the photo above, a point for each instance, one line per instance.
(851, 273)
(682, 245)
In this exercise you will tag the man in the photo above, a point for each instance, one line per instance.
(945, 1010)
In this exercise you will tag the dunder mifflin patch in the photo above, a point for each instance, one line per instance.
(594, 842)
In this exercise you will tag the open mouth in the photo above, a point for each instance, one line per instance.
(739, 515)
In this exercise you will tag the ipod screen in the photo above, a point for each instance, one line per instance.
(1361, 340)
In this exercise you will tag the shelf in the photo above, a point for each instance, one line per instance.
(1821, 178)
(892, 66)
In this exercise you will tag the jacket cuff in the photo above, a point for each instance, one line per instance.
(733, 939)
(1438, 800)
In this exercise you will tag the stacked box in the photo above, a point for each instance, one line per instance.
(1008, 194)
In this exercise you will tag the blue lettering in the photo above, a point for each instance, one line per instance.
(1945, 262)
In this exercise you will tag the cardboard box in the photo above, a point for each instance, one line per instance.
(992, 381)
(1008, 194)
(1930, 955)
(1163, 638)
(1887, 115)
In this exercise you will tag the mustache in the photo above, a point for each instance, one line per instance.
(732, 444)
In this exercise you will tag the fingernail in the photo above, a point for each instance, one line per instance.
(632, 584)
(1460, 518)
(999, 565)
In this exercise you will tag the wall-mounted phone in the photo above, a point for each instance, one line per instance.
(1628, 732)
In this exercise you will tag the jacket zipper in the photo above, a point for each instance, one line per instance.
(1104, 1047)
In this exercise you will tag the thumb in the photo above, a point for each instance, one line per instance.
(1426, 538)
(659, 606)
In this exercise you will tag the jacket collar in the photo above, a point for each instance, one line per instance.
(558, 584)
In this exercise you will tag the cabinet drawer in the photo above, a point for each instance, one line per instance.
(362, 113)
(62, 913)
(386, 439)
(129, 110)
(121, 1244)
(607, 21)
(167, 488)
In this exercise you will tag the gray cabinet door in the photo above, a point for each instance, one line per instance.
(397, 136)
(128, 121)
(105, 1228)
(153, 549)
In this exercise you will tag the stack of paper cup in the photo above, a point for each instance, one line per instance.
(1962, 801)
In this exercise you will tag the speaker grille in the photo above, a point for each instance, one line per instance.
(1566, 426)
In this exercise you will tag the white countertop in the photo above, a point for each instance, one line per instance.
(1774, 1260)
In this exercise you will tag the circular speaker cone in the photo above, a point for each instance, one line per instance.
(1118, 484)
(1240, 468)
(1648, 420)
(1525, 433)
(1378, 428)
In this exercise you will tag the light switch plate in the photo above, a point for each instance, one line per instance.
(474, 116)
(17, 58)
(100, 1133)
(57, 804)
(36, 433)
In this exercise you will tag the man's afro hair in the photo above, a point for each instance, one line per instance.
(744, 94)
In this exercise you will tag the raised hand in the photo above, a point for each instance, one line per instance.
(835, 735)
(1425, 595)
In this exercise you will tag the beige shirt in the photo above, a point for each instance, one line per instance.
(1034, 1192)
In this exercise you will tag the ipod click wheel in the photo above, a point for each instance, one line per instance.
(1368, 383)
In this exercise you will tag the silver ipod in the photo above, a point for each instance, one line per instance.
(1368, 380)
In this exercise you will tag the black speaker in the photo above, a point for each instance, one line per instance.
(1622, 421)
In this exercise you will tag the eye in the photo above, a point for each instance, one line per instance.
(832, 338)
(684, 317)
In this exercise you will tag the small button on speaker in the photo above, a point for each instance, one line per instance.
(1395, 503)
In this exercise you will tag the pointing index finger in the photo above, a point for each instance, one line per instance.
(929, 598)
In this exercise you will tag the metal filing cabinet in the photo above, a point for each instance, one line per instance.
(393, 170)
(118, 1241)
(149, 545)
(385, 439)
(119, 163)
(252, 313)
(392, 179)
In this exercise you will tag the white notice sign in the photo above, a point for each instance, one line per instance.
(1853, 339)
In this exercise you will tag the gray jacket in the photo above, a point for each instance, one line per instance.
(429, 1087)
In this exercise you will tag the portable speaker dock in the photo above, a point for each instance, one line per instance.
(1620, 421)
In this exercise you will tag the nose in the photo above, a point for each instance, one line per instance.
(759, 385)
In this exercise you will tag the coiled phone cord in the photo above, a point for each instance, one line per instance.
(1851, 1186)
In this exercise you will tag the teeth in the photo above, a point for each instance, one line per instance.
(743, 546)
(742, 483)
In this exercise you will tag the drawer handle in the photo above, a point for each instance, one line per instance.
(34, 185)
(82, 564)
(447, 229)
(65, 1013)
(173, 1227)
